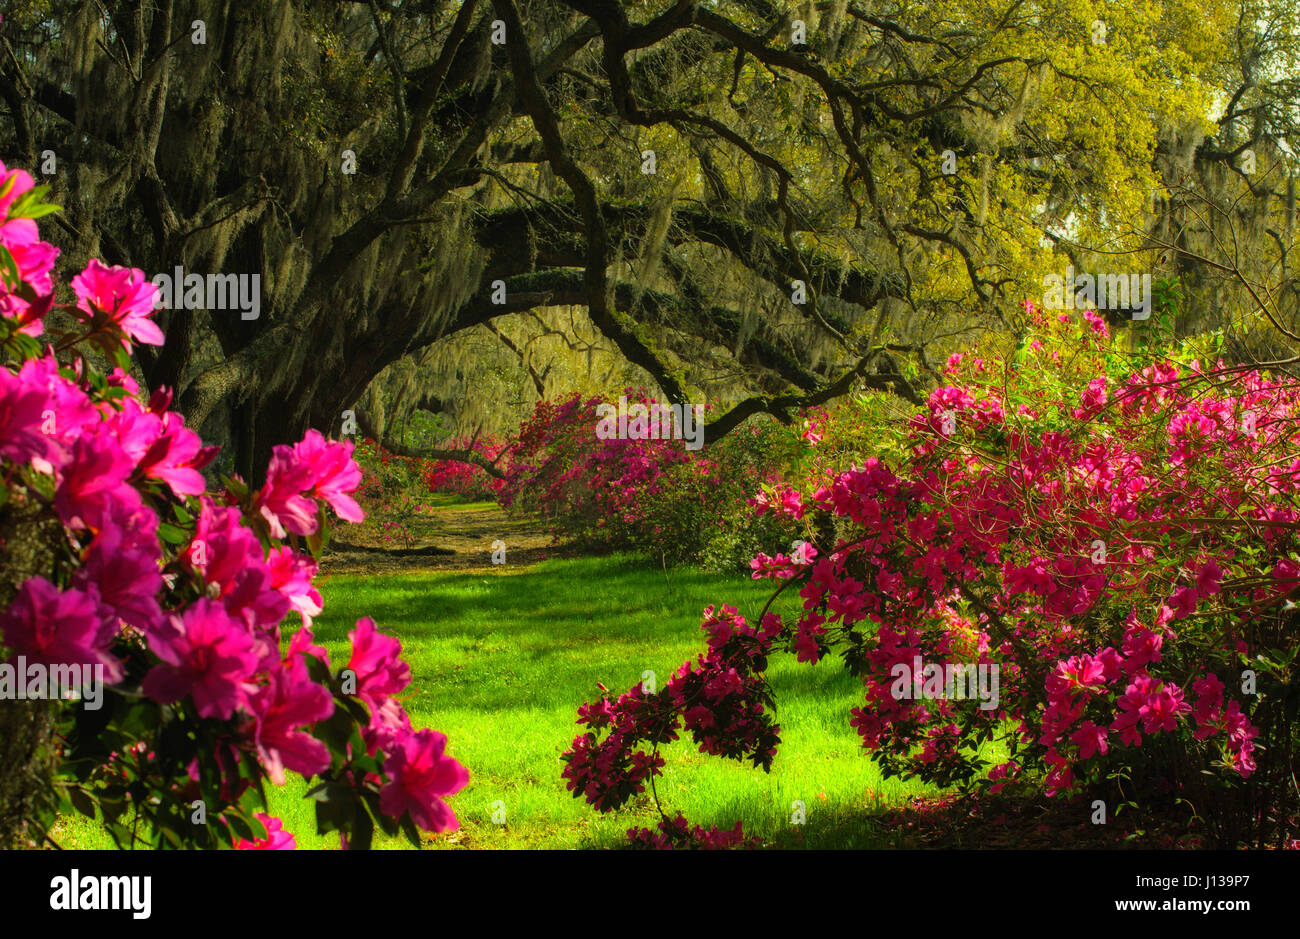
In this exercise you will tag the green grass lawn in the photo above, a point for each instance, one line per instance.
(501, 660)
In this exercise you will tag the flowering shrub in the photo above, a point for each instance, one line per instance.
(392, 495)
(1113, 537)
(677, 833)
(649, 495)
(466, 480)
(119, 558)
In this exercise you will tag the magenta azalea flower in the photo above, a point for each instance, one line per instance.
(277, 839)
(389, 726)
(282, 502)
(334, 473)
(419, 774)
(304, 643)
(1091, 739)
(291, 575)
(227, 554)
(92, 480)
(380, 672)
(34, 260)
(53, 627)
(125, 295)
(162, 447)
(72, 413)
(288, 701)
(314, 468)
(126, 576)
(208, 656)
(24, 412)
(13, 185)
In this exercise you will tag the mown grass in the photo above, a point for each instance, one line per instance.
(503, 657)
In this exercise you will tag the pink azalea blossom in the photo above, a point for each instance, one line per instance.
(126, 576)
(375, 660)
(277, 839)
(35, 262)
(162, 447)
(72, 413)
(125, 295)
(291, 575)
(60, 627)
(419, 775)
(389, 726)
(92, 480)
(1090, 738)
(226, 553)
(289, 701)
(13, 185)
(25, 412)
(207, 655)
(314, 468)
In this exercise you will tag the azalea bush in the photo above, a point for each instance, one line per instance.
(653, 496)
(119, 556)
(466, 480)
(1113, 535)
(392, 495)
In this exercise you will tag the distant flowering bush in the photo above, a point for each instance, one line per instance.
(1115, 535)
(392, 494)
(650, 495)
(118, 557)
(466, 480)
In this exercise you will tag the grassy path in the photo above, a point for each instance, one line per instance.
(503, 655)
(451, 535)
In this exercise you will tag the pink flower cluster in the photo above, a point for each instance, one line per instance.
(196, 617)
(721, 699)
(678, 834)
(466, 479)
(1101, 549)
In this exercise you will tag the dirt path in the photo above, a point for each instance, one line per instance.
(447, 538)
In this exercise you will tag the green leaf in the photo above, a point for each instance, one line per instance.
(121, 357)
(9, 268)
(363, 829)
(412, 833)
(29, 204)
(82, 801)
(333, 811)
(112, 809)
(172, 534)
(241, 827)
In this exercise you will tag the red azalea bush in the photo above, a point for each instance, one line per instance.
(677, 833)
(119, 559)
(392, 494)
(1112, 538)
(457, 478)
(647, 495)
(391, 484)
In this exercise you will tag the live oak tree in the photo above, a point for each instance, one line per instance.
(820, 193)
(1226, 218)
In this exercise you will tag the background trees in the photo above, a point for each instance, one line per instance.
(645, 181)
